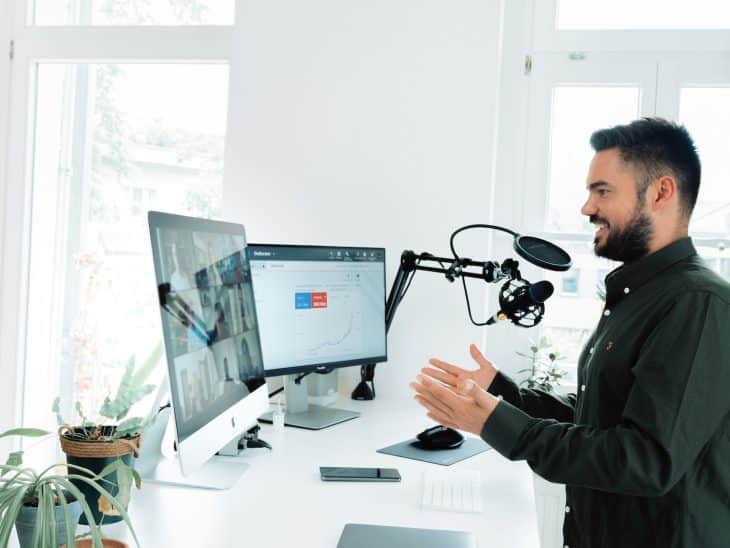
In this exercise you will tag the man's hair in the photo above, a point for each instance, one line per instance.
(655, 147)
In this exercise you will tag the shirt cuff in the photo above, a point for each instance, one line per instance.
(501, 384)
(504, 427)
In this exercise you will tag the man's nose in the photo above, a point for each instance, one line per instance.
(588, 208)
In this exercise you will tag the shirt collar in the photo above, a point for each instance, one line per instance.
(631, 276)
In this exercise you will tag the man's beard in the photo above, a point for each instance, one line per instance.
(628, 243)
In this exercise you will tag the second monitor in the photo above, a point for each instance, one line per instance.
(319, 308)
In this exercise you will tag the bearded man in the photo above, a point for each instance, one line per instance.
(643, 447)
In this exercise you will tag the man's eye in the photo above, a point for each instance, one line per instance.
(602, 192)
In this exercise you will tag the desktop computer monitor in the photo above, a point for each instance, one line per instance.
(215, 370)
(319, 308)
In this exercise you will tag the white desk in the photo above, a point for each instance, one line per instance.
(281, 502)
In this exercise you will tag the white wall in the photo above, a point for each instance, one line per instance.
(370, 123)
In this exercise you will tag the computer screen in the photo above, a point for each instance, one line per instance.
(319, 307)
(208, 318)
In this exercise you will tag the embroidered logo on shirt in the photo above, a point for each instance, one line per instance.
(609, 345)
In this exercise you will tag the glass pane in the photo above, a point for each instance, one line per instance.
(112, 142)
(133, 12)
(647, 14)
(706, 114)
(576, 113)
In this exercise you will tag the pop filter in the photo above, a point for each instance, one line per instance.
(542, 253)
(534, 250)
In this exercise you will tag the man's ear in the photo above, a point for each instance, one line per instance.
(663, 192)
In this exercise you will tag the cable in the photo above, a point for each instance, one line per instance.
(456, 258)
(298, 379)
(468, 305)
(405, 289)
(398, 298)
(468, 227)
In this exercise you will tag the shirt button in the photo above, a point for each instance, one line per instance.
(567, 509)
(590, 350)
(626, 290)
(583, 388)
(606, 312)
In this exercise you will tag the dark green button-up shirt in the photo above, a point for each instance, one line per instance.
(644, 445)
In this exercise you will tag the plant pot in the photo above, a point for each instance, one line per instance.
(95, 455)
(106, 542)
(25, 523)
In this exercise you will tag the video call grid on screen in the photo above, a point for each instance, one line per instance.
(319, 306)
(208, 316)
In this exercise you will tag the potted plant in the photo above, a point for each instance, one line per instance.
(107, 446)
(45, 507)
(544, 372)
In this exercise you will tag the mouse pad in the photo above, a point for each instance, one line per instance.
(445, 457)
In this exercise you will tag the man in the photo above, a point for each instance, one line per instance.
(644, 445)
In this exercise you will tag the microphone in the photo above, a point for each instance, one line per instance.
(522, 302)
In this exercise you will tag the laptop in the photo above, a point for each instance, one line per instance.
(359, 535)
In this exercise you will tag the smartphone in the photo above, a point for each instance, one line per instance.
(344, 473)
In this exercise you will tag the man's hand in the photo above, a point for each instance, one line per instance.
(453, 375)
(464, 407)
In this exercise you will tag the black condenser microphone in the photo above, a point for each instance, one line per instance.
(522, 302)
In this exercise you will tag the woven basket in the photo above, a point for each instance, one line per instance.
(97, 448)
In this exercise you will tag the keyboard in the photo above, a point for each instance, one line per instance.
(452, 491)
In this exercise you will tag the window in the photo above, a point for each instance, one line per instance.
(116, 133)
(577, 85)
(107, 141)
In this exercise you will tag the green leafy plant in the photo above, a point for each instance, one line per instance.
(45, 491)
(112, 422)
(544, 371)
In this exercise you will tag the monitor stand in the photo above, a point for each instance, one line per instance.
(300, 414)
(218, 473)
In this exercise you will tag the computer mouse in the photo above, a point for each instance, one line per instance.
(439, 437)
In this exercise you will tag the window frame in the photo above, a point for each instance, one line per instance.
(72, 44)
(547, 38)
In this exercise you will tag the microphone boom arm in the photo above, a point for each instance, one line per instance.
(410, 262)
(523, 301)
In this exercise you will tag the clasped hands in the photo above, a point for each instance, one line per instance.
(456, 397)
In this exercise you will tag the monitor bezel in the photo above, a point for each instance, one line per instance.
(324, 368)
